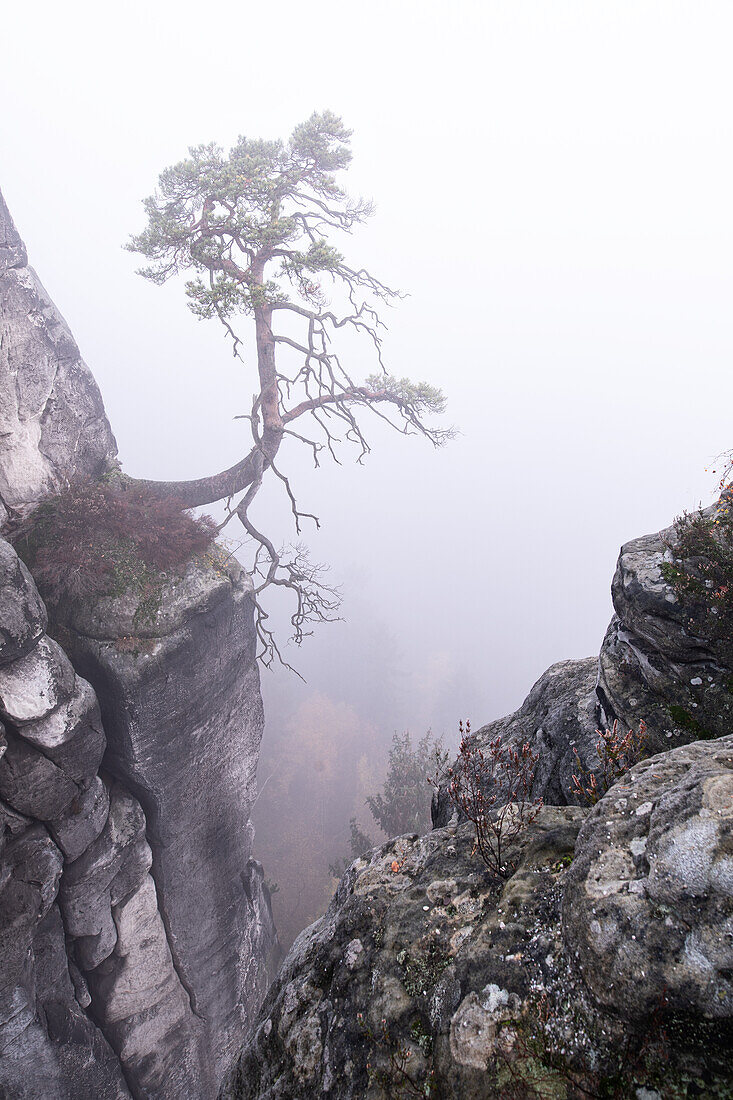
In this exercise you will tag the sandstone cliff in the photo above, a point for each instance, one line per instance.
(601, 965)
(52, 420)
(429, 977)
(653, 665)
(135, 926)
(183, 715)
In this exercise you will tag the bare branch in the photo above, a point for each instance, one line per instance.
(255, 230)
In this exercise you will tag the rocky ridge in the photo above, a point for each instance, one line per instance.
(602, 962)
(652, 666)
(430, 976)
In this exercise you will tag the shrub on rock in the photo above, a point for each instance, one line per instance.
(99, 538)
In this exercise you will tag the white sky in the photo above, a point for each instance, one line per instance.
(553, 185)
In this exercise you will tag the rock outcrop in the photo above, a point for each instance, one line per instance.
(653, 665)
(76, 871)
(135, 927)
(52, 746)
(52, 420)
(603, 961)
(180, 701)
(560, 714)
(649, 898)
(416, 939)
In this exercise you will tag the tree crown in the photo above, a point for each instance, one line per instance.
(267, 200)
(254, 229)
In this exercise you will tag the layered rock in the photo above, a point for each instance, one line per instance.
(52, 420)
(164, 909)
(51, 751)
(49, 1047)
(134, 925)
(179, 690)
(653, 666)
(430, 976)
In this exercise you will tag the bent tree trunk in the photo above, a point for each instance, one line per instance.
(227, 483)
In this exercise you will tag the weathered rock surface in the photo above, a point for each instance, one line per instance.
(653, 663)
(560, 714)
(429, 976)
(81, 892)
(652, 666)
(22, 614)
(132, 948)
(649, 898)
(49, 1048)
(75, 830)
(52, 421)
(141, 1004)
(168, 946)
(418, 935)
(34, 685)
(180, 699)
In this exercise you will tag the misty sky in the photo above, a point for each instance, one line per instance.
(553, 186)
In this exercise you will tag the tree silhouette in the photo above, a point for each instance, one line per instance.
(253, 228)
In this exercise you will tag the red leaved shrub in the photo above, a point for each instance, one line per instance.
(493, 790)
(98, 538)
(616, 754)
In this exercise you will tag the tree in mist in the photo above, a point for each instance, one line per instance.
(403, 804)
(254, 228)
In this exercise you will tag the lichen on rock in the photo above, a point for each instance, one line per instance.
(649, 900)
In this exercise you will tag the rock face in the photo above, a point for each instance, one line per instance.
(52, 746)
(165, 913)
(561, 712)
(421, 937)
(429, 976)
(183, 714)
(52, 420)
(76, 871)
(652, 666)
(650, 893)
(601, 966)
(135, 927)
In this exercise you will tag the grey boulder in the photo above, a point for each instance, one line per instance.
(648, 908)
(22, 613)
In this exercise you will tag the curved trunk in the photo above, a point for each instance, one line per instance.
(207, 490)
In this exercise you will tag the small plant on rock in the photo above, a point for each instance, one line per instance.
(103, 538)
(398, 1079)
(701, 570)
(538, 1062)
(493, 790)
(616, 755)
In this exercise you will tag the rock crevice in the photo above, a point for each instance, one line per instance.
(135, 928)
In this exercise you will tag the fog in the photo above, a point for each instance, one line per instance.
(552, 183)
